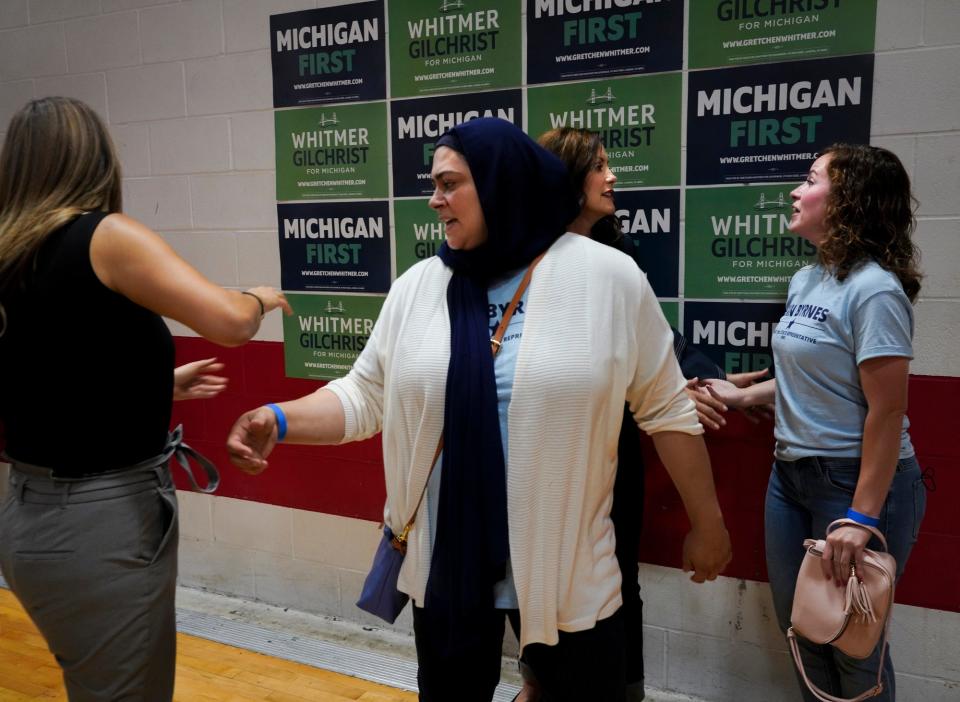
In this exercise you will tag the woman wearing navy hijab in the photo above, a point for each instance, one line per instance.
(517, 512)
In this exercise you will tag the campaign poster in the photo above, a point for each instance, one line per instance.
(580, 41)
(638, 120)
(449, 46)
(326, 333)
(671, 310)
(332, 152)
(416, 124)
(329, 55)
(765, 123)
(735, 335)
(651, 218)
(737, 244)
(417, 232)
(335, 246)
(737, 32)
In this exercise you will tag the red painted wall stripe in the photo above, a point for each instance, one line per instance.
(348, 480)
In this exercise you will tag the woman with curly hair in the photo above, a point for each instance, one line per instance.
(842, 352)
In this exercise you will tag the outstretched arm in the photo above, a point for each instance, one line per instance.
(706, 549)
(313, 419)
(758, 394)
(131, 259)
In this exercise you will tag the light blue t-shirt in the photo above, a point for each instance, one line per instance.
(827, 330)
(499, 296)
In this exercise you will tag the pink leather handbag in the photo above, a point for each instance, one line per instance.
(853, 618)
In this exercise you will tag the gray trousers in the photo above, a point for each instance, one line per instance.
(94, 563)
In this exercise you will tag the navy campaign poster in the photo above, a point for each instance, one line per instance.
(335, 246)
(651, 218)
(765, 123)
(735, 335)
(416, 124)
(333, 54)
(578, 41)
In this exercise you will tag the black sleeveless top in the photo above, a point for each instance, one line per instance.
(86, 375)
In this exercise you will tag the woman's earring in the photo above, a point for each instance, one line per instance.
(581, 201)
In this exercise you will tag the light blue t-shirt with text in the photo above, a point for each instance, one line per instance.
(499, 295)
(827, 330)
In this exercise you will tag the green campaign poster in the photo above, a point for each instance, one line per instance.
(637, 118)
(671, 310)
(326, 333)
(446, 46)
(737, 244)
(418, 233)
(337, 151)
(736, 32)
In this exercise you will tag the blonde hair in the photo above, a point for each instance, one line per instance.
(58, 161)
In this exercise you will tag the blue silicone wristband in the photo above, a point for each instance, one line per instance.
(281, 421)
(862, 518)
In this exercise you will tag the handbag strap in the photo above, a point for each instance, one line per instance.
(826, 697)
(399, 541)
(849, 522)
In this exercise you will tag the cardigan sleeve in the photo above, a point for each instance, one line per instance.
(361, 390)
(656, 393)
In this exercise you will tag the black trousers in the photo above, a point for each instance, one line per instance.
(584, 665)
(627, 517)
(466, 669)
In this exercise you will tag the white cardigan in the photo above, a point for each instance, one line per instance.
(593, 337)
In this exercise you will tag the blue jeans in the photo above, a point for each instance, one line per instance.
(803, 497)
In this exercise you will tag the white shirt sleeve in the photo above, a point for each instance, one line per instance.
(656, 394)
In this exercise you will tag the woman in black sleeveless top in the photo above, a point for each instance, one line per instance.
(88, 530)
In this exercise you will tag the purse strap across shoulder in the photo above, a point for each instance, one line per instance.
(399, 541)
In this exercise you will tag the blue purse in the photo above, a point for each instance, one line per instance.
(380, 596)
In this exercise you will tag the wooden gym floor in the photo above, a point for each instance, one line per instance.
(206, 671)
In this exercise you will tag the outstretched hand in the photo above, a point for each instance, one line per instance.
(271, 298)
(743, 380)
(739, 397)
(726, 392)
(251, 439)
(709, 409)
(195, 381)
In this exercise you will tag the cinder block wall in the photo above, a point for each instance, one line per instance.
(186, 90)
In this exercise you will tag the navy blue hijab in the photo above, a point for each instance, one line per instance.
(527, 202)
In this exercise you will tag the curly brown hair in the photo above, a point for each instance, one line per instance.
(870, 214)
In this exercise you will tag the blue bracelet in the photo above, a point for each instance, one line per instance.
(282, 422)
(862, 518)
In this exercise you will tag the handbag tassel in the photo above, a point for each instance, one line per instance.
(858, 599)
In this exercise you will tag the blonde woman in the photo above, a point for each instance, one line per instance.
(88, 532)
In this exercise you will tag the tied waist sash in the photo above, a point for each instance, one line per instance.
(40, 485)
